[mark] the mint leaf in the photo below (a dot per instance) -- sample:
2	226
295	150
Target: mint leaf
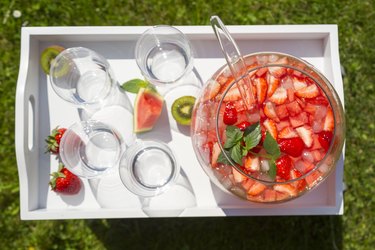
134	85
253	136
251	128
234	135
271	146
236	154
272	170
223	159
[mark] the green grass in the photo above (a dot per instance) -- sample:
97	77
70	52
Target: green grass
354	230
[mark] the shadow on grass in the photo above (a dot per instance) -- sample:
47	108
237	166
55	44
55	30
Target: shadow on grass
309	232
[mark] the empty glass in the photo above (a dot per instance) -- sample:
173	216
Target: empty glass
82	77
164	55
90	148
148	168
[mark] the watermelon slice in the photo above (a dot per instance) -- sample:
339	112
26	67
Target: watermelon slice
147	109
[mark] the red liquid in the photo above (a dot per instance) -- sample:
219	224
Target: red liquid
293	109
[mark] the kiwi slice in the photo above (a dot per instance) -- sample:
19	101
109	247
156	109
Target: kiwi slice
48	55
182	109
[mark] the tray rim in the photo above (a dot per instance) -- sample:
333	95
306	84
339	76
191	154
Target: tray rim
328	32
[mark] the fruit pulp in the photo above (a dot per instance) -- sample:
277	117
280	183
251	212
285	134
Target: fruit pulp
293	108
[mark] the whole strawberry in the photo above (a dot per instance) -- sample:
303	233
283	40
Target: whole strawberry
65	182
53	140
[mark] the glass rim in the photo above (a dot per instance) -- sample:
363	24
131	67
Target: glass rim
127	168
71	99
80	125
186	42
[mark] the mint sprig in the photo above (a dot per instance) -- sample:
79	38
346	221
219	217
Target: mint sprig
239	143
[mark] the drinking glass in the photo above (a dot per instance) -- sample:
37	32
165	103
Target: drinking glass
148	168
164	55
90	148
82	77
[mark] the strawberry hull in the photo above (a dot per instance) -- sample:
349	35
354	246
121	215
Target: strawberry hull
295	107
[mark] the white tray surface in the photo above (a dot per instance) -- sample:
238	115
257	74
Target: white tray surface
38	110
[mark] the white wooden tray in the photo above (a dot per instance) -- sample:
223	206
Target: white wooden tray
38	110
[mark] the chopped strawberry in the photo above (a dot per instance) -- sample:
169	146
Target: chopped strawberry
283	167
325	138
212	90
252	163
261	89
221	79
279	96
291	146
305	133
207	147
260	72
239	105
313	178
298	83
278	72
290	94
299	120
319	100
238	177
310	91
270	112
301	103
273	84
281	125
269	195
246	184
281	196
225	85
286	189
243	125
230	114
271	127
282	111
303	166
318	156
316	143
215	154
256	189
287	132
300	184
293	108
329	121
310	108
233	94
